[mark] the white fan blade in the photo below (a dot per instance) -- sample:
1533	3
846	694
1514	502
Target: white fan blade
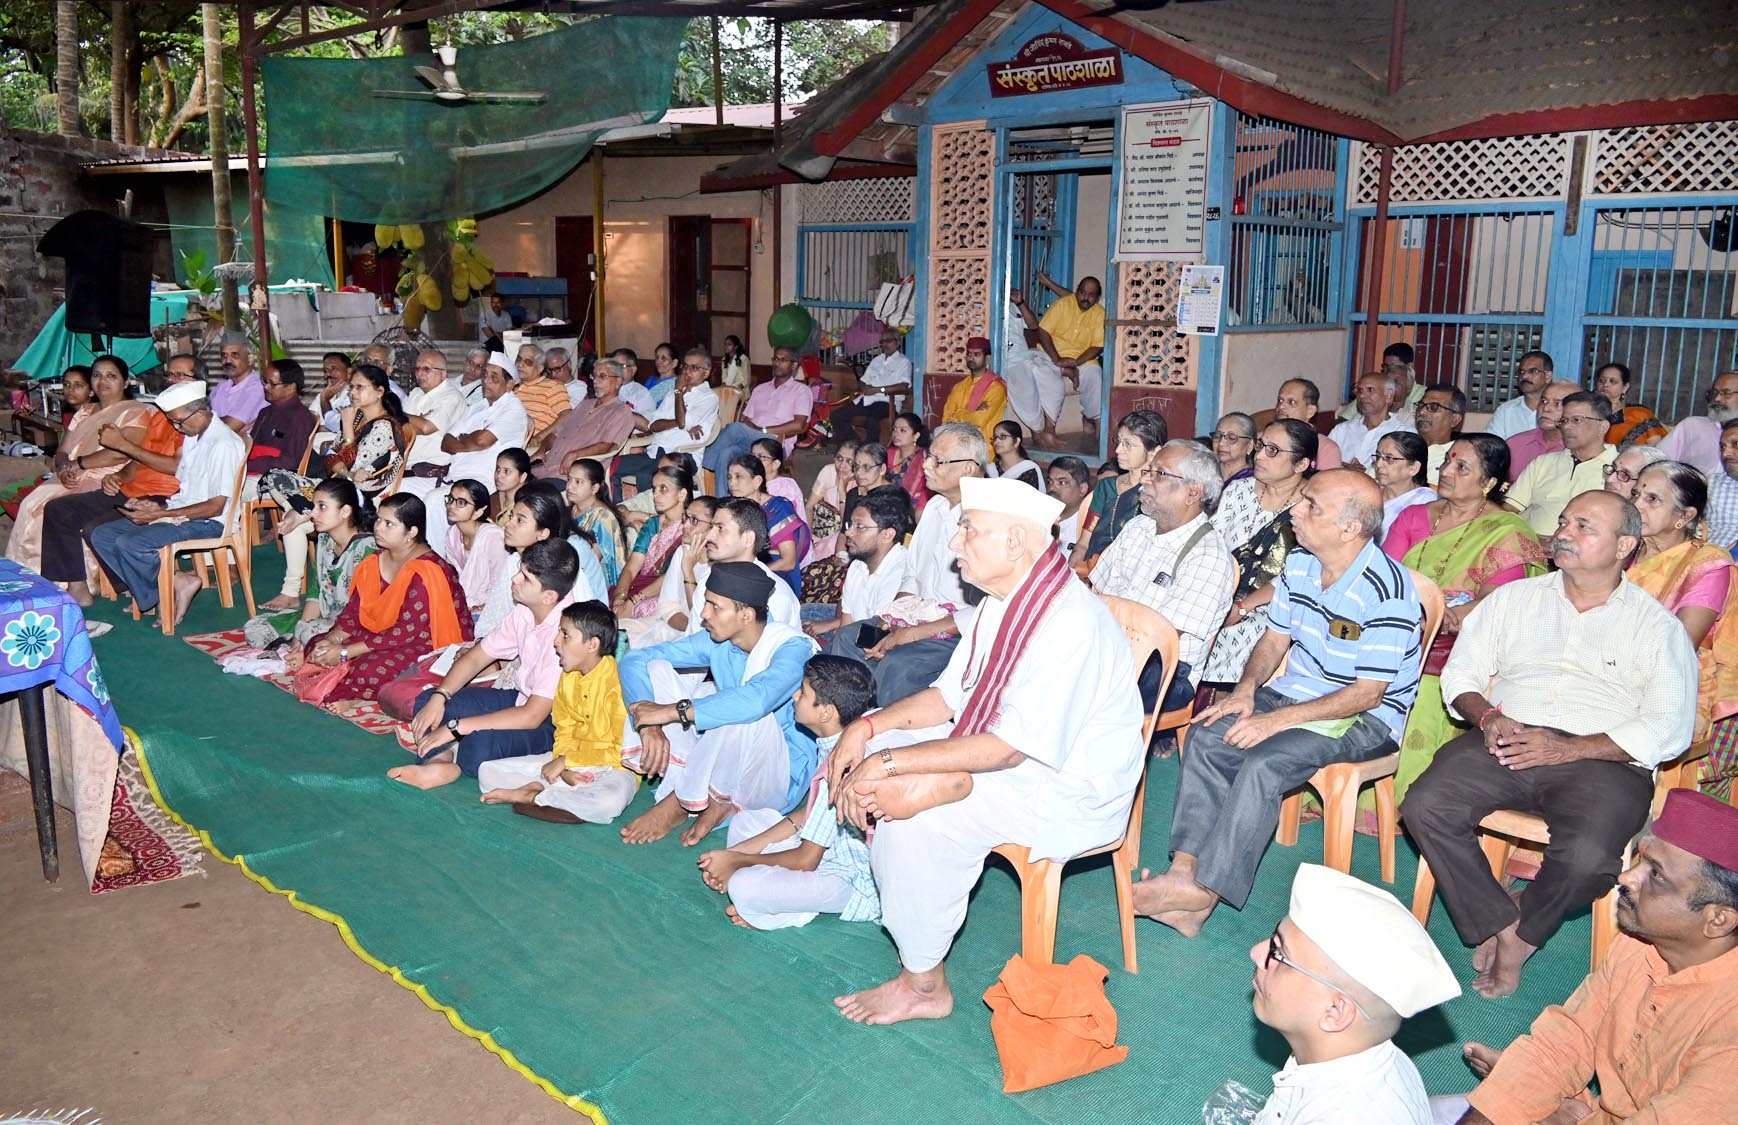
432	76
536	97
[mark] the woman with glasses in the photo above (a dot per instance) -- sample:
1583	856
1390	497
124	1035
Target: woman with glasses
668	619
1117	500
1254	519
827	500
96	396
642	575
905	458
787	534
1399	465
368	452
1234	447
1623	473
1466	542
1697	582
1631	424
476	546
1010	459
343	541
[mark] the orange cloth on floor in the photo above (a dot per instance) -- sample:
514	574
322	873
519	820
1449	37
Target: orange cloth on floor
1052	1022
381	604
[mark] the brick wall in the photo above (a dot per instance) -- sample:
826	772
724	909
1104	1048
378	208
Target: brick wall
40	184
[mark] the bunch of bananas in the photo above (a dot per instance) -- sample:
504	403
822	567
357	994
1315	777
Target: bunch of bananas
469	267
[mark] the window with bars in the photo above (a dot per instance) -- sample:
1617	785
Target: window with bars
1286	227
853	236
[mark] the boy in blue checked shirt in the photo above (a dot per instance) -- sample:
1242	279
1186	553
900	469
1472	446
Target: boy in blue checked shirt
783	870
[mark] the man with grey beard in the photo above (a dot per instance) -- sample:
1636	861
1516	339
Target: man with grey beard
1578	685
1696	440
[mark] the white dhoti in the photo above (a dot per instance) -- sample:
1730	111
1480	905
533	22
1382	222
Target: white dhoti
597	798
1036	387
775	898
747	765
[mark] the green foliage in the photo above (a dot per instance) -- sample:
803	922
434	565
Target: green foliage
817	53
195	274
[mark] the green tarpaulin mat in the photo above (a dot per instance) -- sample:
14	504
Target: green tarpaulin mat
610	973
364	139
296	247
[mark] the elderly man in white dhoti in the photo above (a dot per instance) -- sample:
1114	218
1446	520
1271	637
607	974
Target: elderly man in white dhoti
999	750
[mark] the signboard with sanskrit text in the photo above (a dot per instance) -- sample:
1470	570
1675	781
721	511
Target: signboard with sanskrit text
1162	210
1051	62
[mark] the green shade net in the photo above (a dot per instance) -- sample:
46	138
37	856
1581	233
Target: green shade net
295	239
338	147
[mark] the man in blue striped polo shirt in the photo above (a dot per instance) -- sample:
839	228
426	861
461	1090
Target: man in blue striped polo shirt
1346	619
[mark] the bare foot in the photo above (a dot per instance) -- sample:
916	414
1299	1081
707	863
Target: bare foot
186	585
1504	974
710	817
908	996
656	822
432	776
1174	899
901	798
730	912
81	594
279	604
524	795
1482	956
716	868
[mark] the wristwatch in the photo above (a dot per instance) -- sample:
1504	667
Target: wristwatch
685	714
453	728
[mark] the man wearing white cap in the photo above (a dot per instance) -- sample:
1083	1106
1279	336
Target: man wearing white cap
494	423
1336	978
210	457
997	751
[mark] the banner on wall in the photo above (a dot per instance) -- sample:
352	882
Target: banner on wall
1200	293
1162	205
1051	62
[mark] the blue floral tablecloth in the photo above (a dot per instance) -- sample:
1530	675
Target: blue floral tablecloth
43	640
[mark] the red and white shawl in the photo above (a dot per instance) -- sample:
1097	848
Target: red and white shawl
1049	576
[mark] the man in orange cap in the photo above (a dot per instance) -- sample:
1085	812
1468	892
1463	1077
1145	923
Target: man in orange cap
1657	1022
981	398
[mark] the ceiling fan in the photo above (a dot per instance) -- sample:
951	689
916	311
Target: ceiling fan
446	88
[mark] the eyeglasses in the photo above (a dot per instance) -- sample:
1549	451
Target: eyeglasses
1273	954
460	502
1273	450
699	521
1228	436
1155	474
704	367
1532	371
1623	475
869	527
1579	419
1434	408
950	461
181	422
1389	458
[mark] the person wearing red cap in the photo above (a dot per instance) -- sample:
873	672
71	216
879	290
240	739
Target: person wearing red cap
1657	1022
981	398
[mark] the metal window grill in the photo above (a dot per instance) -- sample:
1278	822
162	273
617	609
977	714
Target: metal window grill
1285	231
892	199
1500	168
1701	157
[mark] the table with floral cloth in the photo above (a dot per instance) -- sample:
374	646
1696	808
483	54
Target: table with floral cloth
67	741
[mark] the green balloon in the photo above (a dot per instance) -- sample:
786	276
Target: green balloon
790	326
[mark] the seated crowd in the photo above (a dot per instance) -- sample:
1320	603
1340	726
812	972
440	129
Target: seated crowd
859	684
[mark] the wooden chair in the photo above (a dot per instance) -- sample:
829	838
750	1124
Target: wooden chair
1506	829
729	406
1041	879
233	542
269	508
1338	785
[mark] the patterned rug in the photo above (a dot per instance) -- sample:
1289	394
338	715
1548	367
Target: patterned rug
365	714
144	844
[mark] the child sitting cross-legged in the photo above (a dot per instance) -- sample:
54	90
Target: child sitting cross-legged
783	870
584	779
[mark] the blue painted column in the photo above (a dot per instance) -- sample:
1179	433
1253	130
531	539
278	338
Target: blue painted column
1221	172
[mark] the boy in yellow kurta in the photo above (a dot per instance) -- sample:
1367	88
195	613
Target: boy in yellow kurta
981	398
583	780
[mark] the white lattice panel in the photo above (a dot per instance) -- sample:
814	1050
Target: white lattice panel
1151	356
1664	159
892	199
1499	168
961	210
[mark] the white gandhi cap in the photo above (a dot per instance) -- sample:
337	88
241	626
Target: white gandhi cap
1009	497
499	359
1372	938
177	395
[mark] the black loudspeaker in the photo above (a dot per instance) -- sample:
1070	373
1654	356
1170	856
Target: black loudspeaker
108	272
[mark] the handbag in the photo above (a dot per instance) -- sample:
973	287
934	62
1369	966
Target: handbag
314	684
824	520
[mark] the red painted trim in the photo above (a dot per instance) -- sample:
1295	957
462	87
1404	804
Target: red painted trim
719	181
832	142
1713	107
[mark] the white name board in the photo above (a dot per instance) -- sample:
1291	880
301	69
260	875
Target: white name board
1162	211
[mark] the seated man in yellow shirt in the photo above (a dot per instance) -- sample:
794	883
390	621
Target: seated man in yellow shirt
583	780
981	398
1069	346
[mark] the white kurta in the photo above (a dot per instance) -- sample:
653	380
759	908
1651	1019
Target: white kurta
1379	1086
1084	756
